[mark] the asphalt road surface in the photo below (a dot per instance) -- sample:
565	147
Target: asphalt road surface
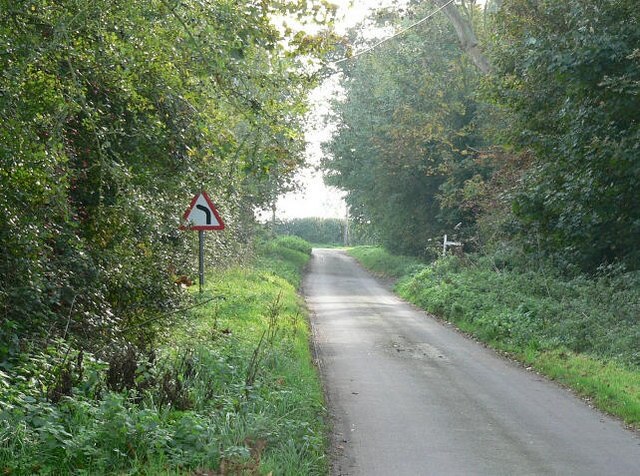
410	396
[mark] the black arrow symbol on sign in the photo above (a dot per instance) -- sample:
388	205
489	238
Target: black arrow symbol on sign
206	211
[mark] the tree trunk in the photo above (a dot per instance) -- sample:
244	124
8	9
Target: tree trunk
466	35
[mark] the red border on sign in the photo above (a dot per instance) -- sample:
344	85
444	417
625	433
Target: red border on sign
213	209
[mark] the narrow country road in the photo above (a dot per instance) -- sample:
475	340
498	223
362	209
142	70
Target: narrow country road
410	396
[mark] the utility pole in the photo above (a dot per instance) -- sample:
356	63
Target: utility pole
346	226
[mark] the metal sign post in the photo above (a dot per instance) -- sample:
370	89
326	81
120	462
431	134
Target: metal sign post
201	260
201	216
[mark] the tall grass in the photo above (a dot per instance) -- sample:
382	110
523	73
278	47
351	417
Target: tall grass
383	263
232	390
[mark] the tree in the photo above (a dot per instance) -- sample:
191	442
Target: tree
112	114
404	136
566	76
465	31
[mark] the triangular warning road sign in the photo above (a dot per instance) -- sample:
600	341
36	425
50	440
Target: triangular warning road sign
202	215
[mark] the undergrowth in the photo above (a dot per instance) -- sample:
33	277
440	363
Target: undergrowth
383	263
232	390
581	330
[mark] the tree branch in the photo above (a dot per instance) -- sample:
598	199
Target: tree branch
466	35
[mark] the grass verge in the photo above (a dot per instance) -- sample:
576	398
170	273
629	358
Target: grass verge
384	264
232	390
581	331
609	386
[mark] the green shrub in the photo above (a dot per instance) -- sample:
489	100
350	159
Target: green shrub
285	256
380	261
294	243
233	381
535	305
329	231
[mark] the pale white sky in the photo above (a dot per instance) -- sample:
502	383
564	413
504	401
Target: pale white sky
316	199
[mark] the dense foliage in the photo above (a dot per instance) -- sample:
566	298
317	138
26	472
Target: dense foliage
329	231
529	308
406	137
542	152
568	75
232	390
112	115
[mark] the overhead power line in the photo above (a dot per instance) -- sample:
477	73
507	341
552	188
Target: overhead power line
404	30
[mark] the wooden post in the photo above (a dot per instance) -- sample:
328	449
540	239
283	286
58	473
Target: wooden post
446	243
